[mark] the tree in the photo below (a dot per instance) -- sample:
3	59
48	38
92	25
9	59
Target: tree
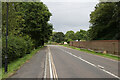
48	32
14	28
28	28
78	36
105	21
70	35
58	37
35	22
81	35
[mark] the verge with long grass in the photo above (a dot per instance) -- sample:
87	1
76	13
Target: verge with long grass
15	65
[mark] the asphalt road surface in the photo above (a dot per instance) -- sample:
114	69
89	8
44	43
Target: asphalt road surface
60	62
34	68
70	63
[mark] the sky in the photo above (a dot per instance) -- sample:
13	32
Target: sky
70	14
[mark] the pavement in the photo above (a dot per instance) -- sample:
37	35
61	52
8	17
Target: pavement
59	62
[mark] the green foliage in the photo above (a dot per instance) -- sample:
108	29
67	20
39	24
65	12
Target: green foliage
58	37
93	52
48	32
28	19
68	40
17	47
70	35
15	65
35	22
28	27
105	21
81	35
13	23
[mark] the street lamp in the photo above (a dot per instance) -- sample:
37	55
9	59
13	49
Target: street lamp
6	62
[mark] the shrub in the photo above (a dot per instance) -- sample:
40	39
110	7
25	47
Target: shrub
17	47
29	43
68	41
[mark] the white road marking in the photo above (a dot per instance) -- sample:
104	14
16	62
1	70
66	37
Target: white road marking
91	64
50	65
54	69
101	67
87	62
110	73
95	55
79	58
45	71
53	73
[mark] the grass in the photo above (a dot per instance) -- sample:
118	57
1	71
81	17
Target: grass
93	52
14	66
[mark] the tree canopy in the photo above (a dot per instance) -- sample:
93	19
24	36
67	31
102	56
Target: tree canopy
28	18
70	35
105	21
58	37
28	27
81	35
36	16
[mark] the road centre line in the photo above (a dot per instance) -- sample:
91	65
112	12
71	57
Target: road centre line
45	71
50	65
92	64
54	69
53	73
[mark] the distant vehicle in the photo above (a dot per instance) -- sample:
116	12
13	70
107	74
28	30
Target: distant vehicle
65	43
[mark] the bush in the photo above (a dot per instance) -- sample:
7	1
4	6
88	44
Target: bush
68	41
17	47
29	43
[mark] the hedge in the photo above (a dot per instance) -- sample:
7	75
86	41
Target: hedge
17	47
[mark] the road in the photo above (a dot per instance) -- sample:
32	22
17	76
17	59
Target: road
70	63
60	62
34	68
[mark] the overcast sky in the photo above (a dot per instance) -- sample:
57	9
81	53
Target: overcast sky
70	14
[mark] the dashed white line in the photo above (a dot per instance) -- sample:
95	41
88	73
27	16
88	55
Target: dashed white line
91	64
110	73
96	55
101	67
88	62
79	58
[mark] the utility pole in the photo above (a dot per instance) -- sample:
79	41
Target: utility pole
6	57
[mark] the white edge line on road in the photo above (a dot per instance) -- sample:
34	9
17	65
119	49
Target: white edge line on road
94	55
110	73
90	63
101	67
50	65
45	71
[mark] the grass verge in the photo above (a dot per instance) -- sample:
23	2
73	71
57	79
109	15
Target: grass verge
93	52
14	66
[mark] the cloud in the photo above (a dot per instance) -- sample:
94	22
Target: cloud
70	15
